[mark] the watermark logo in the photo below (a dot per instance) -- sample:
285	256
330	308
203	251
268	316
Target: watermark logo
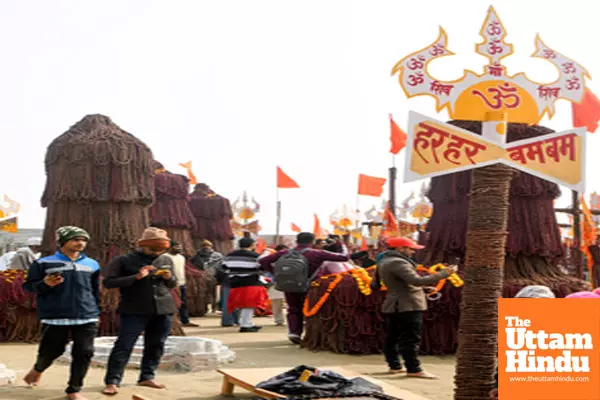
548	349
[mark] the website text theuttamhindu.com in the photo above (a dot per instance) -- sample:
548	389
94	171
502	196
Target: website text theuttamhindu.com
530	378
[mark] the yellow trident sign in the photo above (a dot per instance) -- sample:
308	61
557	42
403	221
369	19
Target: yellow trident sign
495	98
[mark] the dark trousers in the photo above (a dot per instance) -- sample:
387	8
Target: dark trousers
295	317
183	310
156	329
403	338
52	346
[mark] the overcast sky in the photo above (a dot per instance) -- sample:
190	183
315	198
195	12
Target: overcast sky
240	87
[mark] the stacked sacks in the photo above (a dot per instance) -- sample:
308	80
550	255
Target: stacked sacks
213	219
100	178
533	250
171	212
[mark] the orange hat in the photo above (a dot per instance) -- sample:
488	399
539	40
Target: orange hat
396	242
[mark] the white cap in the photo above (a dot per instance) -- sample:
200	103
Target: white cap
535	291
34	241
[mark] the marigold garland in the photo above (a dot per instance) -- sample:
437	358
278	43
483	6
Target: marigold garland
309	312
363	280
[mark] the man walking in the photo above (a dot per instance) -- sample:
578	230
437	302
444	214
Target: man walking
209	260
146	306
404	305
25	256
179	270
295	300
68	295
246	291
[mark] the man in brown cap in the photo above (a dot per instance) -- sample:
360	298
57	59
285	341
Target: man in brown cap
146	306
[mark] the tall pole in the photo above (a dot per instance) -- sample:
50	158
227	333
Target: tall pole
577	256
278	216
487	230
393	186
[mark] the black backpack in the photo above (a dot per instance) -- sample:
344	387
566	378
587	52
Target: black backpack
291	272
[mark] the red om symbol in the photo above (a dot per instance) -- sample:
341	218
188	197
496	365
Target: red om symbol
437	49
499	96
569	68
416	79
416	63
494	28
573	83
547	53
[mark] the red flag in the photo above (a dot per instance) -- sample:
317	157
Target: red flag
188	167
363	245
397	137
370	185
284	181
587	113
296	228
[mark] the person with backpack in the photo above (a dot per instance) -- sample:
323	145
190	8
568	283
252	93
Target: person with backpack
293	271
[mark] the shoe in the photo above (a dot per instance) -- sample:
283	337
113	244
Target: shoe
295	340
191	325
251	329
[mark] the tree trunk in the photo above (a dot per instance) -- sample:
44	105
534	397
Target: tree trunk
484	261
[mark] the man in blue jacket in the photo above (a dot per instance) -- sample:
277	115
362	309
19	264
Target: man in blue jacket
68	297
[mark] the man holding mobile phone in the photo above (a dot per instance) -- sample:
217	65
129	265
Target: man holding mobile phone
67	288
146	306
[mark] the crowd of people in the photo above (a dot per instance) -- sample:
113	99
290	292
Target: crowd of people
67	285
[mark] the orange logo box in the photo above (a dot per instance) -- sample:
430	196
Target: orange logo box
549	349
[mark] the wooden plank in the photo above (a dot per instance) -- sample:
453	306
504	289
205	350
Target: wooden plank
248	378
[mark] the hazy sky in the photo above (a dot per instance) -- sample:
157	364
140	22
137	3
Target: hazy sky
240	87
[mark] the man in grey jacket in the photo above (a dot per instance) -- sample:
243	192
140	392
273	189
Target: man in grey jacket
404	305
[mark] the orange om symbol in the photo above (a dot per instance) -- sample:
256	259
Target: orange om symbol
500	96
573	83
416	63
416	79
494	28
569	68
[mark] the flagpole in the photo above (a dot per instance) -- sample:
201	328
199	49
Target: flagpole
278	216
393	186
357	223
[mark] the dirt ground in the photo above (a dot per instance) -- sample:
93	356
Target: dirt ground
269	348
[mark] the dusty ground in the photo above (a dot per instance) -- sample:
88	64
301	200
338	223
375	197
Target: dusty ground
269	348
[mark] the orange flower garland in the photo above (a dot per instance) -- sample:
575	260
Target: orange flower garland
307	310
363	280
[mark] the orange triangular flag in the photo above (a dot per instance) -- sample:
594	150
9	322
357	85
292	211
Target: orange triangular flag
587	113
296	228
317	227
391	224
363	244
260	246
188	166
284	181
370	185
397	136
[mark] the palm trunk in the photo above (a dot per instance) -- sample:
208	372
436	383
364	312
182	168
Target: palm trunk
485	252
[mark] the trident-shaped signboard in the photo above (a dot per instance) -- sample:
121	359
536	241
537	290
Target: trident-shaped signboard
495	98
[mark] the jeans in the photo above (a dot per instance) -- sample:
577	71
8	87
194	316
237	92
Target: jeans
403	338
183	311
52	346
227	319
295	316
156	329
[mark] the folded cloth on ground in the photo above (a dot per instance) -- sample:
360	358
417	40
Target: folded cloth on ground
320	383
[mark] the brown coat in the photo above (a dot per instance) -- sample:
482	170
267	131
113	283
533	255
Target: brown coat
405	287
